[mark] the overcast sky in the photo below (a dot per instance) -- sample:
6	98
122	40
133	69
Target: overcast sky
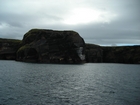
103	22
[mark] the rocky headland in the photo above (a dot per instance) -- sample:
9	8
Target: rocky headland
50	46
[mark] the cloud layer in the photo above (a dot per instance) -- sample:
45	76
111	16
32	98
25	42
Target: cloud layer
104	22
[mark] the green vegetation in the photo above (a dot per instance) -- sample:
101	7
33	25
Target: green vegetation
30	36
23	48
14	41
92	46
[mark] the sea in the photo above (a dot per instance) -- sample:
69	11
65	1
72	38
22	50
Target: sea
69	84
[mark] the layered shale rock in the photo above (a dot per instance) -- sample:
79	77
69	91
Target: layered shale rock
48	46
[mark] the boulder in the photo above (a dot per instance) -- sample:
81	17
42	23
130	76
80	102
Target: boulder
50	46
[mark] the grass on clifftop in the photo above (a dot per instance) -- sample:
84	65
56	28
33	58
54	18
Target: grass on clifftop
9	40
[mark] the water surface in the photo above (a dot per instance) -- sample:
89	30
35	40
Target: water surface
53	84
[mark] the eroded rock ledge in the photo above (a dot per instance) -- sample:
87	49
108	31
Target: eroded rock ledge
50	46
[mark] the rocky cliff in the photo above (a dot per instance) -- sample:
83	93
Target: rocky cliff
49	46
8	48
120	54
123	54
94	53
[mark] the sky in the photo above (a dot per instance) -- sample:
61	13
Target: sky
102	22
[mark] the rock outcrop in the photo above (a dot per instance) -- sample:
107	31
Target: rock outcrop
48	46
94	53
8	48
123	54
119	54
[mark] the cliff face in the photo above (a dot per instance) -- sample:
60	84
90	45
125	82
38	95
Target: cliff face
123	54
94	53
8	48
48	46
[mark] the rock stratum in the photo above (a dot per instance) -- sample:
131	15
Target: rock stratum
50	46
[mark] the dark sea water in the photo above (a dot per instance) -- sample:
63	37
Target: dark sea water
53	84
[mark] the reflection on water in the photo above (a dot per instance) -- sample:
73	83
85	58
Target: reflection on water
52	84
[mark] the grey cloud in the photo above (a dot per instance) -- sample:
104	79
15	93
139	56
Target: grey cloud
18	16
111	33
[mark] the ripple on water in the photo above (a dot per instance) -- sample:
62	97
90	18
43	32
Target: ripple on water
88	84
